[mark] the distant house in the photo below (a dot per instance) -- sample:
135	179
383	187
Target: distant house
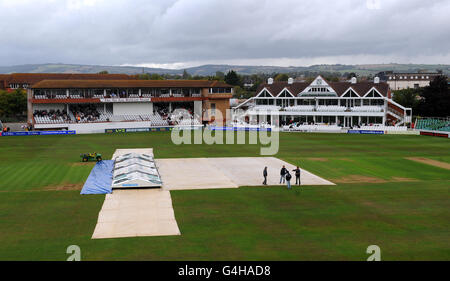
400	81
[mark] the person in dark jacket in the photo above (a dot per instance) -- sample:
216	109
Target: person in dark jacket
297	175
265	176
283	173
288	180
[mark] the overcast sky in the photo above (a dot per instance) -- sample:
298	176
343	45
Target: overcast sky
183	33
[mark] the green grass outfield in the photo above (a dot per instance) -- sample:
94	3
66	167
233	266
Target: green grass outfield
381	198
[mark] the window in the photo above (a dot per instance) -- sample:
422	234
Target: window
213	109
351	94
265	94
285	94
416	86
195	91
373	94
185	92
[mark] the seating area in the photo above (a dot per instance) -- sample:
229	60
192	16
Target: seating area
77	116
179	114
85	113
331	108
266	107
433	124
63	96
315	127
189	122
367	109
300	108
241	124
157	120
51	116
183	117
322	108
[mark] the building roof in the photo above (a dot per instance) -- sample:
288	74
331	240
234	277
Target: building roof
92	84
32	78
361	88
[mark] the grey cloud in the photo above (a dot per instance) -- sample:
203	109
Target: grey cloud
142	31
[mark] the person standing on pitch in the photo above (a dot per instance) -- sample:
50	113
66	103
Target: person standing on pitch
265	176
297	176
288	180
283	174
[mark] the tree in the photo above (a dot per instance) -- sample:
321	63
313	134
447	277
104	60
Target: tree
281	77
435	98
332	78
232	78
198	77
186	75
13	104
156	76
103	72
408	98
351	75
144	76
240	93
220	75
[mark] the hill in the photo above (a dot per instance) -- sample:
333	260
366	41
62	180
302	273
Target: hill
211	69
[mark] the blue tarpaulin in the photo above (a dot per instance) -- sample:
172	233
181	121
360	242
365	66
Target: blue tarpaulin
100	179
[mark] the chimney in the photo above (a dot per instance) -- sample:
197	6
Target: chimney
290	81
270	81
376	80
354	80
